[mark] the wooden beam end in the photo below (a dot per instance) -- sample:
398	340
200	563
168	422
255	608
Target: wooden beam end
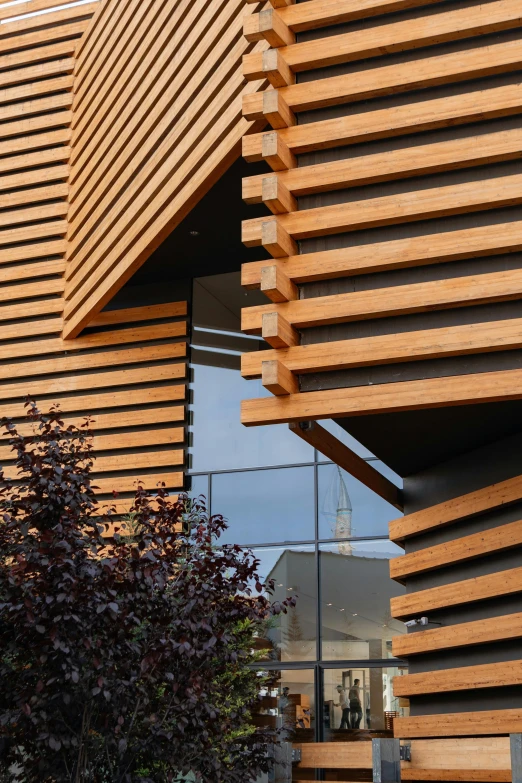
275	110
278	379
275	68
276	153
278	333
277	286
276	240
276	196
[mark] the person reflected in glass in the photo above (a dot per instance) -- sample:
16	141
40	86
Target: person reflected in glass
344	704
354	699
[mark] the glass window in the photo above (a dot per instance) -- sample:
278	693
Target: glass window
345	438
355	600
359	700
347	508
286	701
265	506
199	486
290	636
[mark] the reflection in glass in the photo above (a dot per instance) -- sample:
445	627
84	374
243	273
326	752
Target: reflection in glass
344	437
348	508
286	701
290	636
355	600
360	700
263	506
199	486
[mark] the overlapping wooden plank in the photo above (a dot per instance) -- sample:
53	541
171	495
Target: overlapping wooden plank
391	79
101	380
33	177
492	629
31	328
384	166
479	588
390	210
383	398
384	349
336	755
465	775
482	544
484	758
145	313
152	459
460	724
76	363
471	106
385	302
37	54
44	249
59	17
28	214
55	228
129	483
30	7
38	106
482	240
322	13
135	417
394	37
53	34
20	127
463	507
28	143
488	675
19	198
35	72
23	310
90	46
33	89
31	290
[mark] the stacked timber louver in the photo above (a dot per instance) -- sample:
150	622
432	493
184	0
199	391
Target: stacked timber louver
128	369
394	181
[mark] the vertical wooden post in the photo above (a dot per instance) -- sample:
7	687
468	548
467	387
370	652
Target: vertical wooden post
386	760
516	757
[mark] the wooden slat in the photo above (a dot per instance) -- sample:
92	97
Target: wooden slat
32	159
28	91
74	363
128	483
488	675
492	629
478	588
44	249
390	210
24	40
139	417
386	302
82	404
36	72
29	7
35	177
37	54
134	314
488	755
322	440
21	127
29	214
394	37
59	17
391	79
385	166
389	348
460	550
404	395
437	248
465	775
335	755
33	290
30	328
460	724
38	106
103	380
33	195
400	120
33	142
37	307
55	228
463	507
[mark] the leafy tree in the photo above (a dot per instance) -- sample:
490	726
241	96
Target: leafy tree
123	656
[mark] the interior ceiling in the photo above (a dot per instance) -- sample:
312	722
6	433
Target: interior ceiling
408	441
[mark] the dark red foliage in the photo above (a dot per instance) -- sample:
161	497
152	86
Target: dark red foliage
123	657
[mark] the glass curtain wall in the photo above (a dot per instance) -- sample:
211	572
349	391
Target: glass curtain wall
319	533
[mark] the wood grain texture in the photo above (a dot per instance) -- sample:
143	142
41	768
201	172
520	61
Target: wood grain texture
489	755
460	550
488	675
478	588
462	507
336	755
460	724
404	395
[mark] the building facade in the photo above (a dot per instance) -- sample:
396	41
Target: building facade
274	249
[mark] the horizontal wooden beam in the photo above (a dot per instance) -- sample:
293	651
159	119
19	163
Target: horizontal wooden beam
386	302
385	398
460	724
464	678
385	166
485	758
478	588
392	37
492	629
481	544
335	755
391	79
437	248
332	448
389	348
315	14
472	106
497	495
390	210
